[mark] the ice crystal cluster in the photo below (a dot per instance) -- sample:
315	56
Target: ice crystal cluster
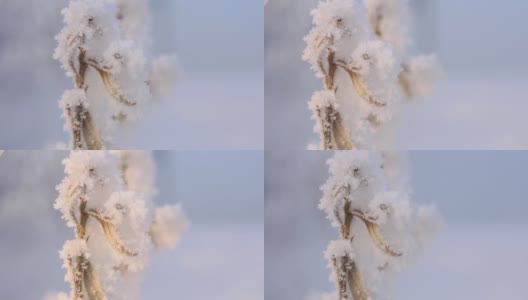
102	48
106	197
359	49
366	197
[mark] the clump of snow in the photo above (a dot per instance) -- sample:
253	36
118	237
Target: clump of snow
73	249
377	58
337	249
124	54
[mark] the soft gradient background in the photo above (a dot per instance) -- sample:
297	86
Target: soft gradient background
480	253
218	103
220	257
480	103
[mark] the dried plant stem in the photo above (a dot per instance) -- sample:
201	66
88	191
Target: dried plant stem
111	235
326	125
355	282
92	284
362	90
349	279
333	128
109	83
89	131
404	81
79	117
86	282
340	133
376	237
359	84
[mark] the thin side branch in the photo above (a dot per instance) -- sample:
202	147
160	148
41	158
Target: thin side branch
111	235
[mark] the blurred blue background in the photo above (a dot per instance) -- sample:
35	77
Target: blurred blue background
480	252
221	193
479	104
217	104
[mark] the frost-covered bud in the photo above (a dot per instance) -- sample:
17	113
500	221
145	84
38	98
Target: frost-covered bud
321	101
169	225
354	176
92	168
419	75
338	26
91	177
377	83
73	102
73	98
339	248
124	56
375	59
128	217
73	254
391	206
74	248
90	25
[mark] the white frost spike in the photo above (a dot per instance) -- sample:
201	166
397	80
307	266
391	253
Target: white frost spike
107	200
169	225
372	212
361	55
102	47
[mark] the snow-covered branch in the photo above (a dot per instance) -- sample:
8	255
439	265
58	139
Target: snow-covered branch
379	228
360	51
107	199
102	48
